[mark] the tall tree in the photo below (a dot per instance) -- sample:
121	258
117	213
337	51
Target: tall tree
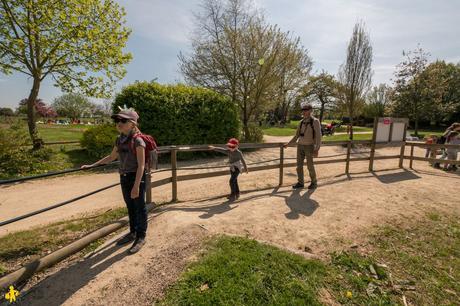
72	105
78	43
323	89
355	75
409	85
236	53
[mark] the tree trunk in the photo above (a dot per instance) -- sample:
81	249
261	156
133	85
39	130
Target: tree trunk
321	112
245	122
36	141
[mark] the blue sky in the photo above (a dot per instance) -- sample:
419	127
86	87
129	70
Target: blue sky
161	29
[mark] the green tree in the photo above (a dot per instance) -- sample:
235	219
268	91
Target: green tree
441	91
323	89
377	102
410	87
72	105
6	111
78	43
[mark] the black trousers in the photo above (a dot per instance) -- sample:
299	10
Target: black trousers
234	181
137	211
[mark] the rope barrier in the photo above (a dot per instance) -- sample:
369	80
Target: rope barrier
28	178
224	166
56	205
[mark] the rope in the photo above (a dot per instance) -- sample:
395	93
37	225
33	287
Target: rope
33	177
224	166
56	205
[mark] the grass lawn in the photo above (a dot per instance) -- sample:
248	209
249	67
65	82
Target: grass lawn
52	133
420	261
17	247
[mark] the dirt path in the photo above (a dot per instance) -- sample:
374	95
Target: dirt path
339	213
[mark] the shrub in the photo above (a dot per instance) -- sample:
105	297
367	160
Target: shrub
256	134
179	114
16	157
99	140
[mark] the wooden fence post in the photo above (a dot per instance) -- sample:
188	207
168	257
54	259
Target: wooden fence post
403	148
174	174
281	164
374	136
347	167
411	155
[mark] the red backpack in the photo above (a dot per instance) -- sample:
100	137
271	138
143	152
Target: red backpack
151	149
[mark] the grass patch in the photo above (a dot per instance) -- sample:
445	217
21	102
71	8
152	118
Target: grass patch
420	261
239	271
52	133
18	247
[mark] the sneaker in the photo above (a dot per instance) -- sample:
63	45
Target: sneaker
297	186
126	239
137	245
237	196
312	186
230	196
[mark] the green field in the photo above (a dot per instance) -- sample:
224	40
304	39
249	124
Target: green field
420	260
53	133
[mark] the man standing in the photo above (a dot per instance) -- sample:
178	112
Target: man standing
308	135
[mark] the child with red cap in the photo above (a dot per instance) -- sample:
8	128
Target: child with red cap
237	164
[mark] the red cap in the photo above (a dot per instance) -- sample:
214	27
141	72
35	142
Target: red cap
233	142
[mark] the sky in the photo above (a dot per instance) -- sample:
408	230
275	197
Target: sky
161	30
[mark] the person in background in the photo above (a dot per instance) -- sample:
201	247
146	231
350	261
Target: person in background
452	153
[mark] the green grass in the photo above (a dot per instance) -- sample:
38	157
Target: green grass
420	260
17	246
424	133
52	133
239	271
290	129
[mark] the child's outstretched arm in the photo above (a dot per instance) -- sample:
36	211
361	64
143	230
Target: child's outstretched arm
108	159
221	150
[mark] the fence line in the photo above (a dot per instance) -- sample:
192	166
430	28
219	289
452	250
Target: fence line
175	178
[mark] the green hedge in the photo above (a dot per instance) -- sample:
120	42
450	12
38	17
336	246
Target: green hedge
181	115
99	140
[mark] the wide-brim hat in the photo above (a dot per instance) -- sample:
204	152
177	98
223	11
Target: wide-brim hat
306	106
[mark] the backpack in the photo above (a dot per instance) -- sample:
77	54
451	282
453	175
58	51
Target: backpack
151	149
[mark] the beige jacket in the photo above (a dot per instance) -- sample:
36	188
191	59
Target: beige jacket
305	129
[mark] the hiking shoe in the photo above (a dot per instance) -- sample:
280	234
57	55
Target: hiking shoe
230	196
312	186
297	186
137	245
126	239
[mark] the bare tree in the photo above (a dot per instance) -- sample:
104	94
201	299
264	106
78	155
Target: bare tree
236	53
355	75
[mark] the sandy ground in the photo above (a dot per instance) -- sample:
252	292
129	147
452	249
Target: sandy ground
338	214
